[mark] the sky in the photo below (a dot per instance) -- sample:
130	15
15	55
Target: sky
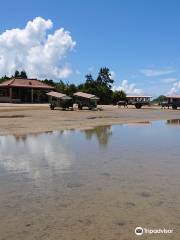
138	40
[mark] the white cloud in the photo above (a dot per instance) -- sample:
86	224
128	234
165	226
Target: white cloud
154	72
169	80
175	89
129	88
113	75
34	50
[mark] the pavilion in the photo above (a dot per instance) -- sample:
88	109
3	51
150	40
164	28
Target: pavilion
18	90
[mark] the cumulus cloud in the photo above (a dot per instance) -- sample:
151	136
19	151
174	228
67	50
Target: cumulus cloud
129	88
175	89
34	50
154	72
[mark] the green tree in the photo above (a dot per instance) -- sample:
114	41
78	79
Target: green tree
159	99
118	96
104	83
101	86
4	78
23	74
49	82
90	85
61	87
105	78
16	74
70	89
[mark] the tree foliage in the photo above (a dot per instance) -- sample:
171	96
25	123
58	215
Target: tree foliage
118	96
4	78
159	99
101	86
21	74
17	74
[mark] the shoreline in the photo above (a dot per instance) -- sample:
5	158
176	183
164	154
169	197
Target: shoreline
34	119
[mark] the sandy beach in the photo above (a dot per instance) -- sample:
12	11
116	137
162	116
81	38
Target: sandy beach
29	118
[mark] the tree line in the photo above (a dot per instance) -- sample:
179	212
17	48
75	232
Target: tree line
101	86
17	74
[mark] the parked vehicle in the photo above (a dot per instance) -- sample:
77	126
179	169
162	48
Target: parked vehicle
85	100
60	100
164	104
173	101
138	101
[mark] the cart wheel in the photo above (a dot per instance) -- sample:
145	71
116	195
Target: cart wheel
138	105
52	107
174	107
79	107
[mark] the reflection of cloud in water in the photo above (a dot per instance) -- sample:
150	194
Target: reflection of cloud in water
33	153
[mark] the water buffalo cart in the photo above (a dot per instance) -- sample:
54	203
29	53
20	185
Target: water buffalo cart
173	101
138	101
60	100
85	100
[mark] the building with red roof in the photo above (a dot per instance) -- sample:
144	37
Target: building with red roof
17	90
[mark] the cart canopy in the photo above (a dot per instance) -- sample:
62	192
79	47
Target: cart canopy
58	95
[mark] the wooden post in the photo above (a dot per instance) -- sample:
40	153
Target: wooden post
32	97
10	94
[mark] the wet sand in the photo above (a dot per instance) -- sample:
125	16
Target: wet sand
23	119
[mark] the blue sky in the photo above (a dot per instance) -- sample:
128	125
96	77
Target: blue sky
138	40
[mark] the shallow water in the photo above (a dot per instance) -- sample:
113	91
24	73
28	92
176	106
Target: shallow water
97	184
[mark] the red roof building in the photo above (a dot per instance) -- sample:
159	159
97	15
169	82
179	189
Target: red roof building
24	90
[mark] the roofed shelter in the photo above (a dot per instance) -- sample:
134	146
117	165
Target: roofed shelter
19	90
86	100
138	100
58	95
86	95
173	98
61	100
173	101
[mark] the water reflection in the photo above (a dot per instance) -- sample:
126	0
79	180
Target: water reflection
31	153
102	133
173	122
51	150
56	181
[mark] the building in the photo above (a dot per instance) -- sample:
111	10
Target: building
18	90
